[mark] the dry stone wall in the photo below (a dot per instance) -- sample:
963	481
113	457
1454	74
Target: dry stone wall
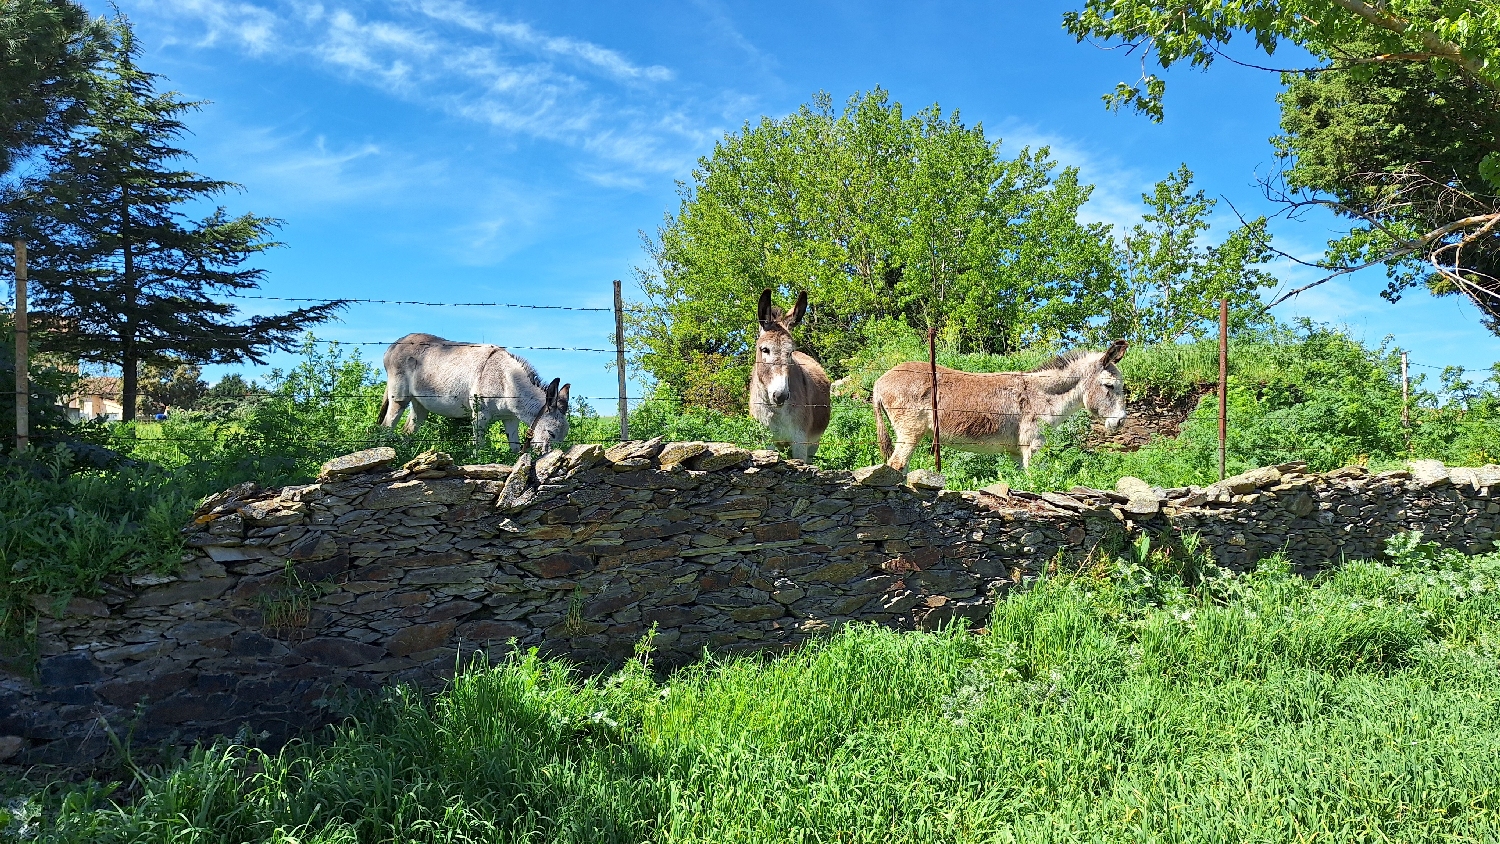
376	575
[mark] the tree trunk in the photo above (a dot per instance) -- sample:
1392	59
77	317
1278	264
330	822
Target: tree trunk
129	385
129	364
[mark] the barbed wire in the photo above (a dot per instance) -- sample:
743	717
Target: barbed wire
138	440
923	407
458	343
423	304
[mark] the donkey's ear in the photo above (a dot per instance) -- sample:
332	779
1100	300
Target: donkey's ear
1115	352
798	311
763	313
562	396
552	390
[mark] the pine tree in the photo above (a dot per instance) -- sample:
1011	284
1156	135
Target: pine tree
121	273
47	49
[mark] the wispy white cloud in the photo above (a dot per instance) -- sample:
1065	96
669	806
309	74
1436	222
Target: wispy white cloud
467	62
602	58
1116	199
246	25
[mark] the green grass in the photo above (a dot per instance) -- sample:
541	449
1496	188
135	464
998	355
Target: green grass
1117	704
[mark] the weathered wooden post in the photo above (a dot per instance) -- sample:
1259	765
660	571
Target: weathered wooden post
1405	394
23	346
620	361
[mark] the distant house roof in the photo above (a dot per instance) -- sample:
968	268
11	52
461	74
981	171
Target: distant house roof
106	386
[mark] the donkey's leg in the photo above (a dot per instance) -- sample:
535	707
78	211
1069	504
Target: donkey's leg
1028	447
811	449
908	436
416	417
483	418
513	433
392	414
799	448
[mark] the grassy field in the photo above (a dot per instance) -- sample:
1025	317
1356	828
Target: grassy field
1134	702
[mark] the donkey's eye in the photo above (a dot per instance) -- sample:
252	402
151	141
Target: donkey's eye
765	350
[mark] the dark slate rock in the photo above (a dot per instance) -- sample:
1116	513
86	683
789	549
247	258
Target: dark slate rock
69	670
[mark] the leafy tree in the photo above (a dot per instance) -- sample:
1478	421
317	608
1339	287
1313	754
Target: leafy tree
1400	151
231	393
176	385
1170	282
48	49
1460	35
124	275
891	223
1430	71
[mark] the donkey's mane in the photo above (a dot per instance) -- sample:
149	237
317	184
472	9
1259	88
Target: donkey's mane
1062	361
526	367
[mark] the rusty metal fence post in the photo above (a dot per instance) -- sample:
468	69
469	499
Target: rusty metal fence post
937	437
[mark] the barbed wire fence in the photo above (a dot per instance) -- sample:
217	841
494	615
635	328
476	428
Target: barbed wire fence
622	398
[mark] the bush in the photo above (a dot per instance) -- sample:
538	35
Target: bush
63	529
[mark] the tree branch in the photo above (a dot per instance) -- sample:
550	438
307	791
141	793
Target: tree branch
1430	40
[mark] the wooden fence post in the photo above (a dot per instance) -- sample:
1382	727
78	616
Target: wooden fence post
23	347
620	361
1405	399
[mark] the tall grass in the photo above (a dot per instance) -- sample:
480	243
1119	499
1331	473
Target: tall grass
1143	701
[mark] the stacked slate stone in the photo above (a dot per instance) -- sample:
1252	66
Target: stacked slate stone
375	575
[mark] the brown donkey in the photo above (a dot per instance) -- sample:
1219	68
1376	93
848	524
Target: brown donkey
789	390
997	412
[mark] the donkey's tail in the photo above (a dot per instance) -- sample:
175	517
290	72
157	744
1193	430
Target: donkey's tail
385	404
882	436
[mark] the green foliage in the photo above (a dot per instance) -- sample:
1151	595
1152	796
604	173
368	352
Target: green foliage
47	50
883	219
176	385
64	528
1400	151
662	415
123	275
1397	131
47	422
1454	36
1360	706
894	225
1170	284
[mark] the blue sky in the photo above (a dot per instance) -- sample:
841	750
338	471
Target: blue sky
452	150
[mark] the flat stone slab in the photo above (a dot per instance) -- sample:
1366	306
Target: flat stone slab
924	479
879	475
369	460
487	471
412	493
674	453
719	456
1247	482
1429	473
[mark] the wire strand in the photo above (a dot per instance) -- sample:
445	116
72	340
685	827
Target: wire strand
424	304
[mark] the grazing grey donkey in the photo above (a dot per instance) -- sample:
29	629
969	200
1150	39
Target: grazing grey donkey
789	390
997	412
472	380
